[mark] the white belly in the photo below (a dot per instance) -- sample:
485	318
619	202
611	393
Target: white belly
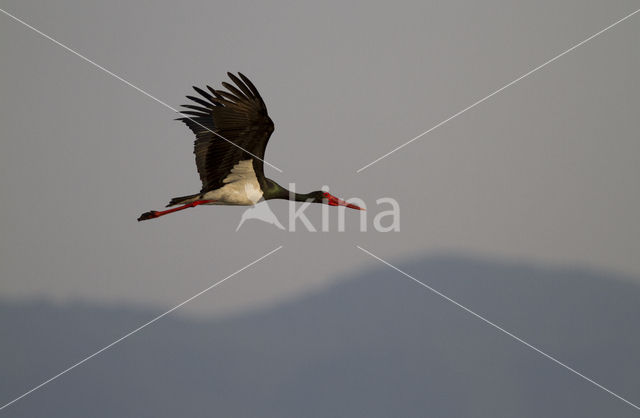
241	187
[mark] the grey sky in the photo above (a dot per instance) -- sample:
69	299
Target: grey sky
545	171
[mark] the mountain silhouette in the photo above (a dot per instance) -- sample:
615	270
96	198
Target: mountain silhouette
373	345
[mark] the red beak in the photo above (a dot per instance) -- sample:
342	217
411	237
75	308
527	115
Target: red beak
335	201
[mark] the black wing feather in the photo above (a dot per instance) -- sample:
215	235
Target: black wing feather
198	108
252	88
234	90
203	93
247	92
199	100
214	92
240	117
191	112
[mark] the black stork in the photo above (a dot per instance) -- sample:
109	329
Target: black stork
232	129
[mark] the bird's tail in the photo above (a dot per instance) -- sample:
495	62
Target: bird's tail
182	200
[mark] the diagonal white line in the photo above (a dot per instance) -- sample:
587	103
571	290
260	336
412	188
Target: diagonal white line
497	91
138	329
499	328
134	86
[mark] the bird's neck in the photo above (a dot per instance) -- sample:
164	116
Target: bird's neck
274	191
301	197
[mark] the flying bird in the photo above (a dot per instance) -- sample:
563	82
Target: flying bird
232	129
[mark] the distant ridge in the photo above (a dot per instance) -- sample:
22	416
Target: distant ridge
374	345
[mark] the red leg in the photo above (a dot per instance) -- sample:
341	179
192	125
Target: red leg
154	214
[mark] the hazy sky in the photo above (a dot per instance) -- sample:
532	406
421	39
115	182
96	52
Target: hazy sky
545	171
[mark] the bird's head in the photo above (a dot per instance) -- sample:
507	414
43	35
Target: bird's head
328	199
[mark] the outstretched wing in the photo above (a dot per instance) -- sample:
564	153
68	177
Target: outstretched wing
230	126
